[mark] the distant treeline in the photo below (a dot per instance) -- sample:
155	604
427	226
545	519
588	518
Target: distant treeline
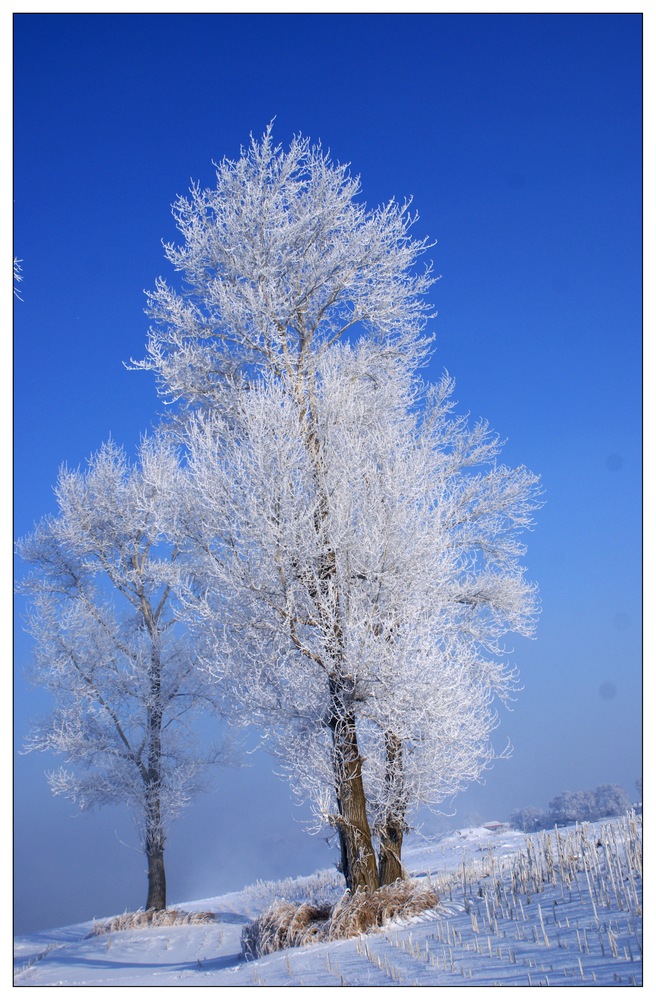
573	807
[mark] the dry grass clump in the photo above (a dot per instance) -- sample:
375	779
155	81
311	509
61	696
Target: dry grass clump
150	918
364	911
288	925
285	925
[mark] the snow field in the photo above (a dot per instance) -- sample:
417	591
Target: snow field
560	908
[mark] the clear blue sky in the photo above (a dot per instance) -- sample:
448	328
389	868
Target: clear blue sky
519	138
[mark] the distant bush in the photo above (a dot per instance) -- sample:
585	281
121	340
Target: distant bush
529	819
611	800
288	925
573	807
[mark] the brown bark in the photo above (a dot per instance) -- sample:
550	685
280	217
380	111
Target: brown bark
358	856
155	849
390	868
156	877
154	826
343	865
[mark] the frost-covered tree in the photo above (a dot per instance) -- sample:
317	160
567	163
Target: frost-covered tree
572	807
529	819
279	261
108	647
611	800
309	501
424	582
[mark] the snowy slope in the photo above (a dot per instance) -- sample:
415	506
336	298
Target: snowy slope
562	908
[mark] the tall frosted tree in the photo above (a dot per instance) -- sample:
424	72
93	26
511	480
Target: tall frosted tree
279	262
108	647
425	583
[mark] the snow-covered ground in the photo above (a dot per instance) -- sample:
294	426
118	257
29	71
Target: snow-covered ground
558	909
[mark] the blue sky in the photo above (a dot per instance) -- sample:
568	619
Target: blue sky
519	138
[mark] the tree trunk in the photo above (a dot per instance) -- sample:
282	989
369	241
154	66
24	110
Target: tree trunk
156	876
154	825
358	856
391	834
343	866
390	868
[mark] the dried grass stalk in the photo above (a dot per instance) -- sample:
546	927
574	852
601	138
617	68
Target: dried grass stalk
150	918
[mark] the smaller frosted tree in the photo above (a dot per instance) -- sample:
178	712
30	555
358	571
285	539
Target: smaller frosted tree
109	649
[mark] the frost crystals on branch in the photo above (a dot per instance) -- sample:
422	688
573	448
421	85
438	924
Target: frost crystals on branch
280	260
